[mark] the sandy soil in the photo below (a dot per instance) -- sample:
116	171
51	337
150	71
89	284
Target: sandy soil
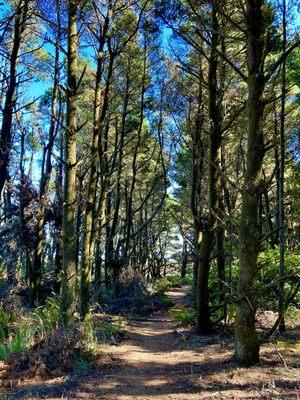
160	362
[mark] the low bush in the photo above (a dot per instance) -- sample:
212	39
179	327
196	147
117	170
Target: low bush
184	316
166	283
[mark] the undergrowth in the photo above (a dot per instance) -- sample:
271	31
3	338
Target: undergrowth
184	316
20	332
168	282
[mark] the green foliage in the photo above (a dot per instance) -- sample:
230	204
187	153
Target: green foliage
167	301
185	316
268	262
17	332
13	338
16	342
293	312
161	286
109	332
4	319
47	316
164	284
82	363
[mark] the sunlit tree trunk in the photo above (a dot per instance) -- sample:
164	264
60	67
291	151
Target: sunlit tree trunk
68	224
100	107
45	178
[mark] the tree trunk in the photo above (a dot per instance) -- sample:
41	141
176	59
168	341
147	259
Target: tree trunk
220	235
281	176
21	15
246	341
204	325
45	178
89	222
68	292
184	259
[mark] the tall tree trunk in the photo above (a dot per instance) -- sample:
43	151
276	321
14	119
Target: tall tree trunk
23	201
204	325
197	174
281	176
89	222
45	178
246	341
111	257
21	16
184	259
68	292
220	235
269	216
58	218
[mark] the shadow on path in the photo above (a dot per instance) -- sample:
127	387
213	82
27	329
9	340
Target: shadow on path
156	363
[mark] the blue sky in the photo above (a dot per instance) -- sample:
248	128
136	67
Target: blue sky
38	86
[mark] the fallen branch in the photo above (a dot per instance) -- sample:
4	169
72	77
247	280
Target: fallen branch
280	355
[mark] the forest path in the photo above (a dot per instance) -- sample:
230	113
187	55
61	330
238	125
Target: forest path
161	362
151	364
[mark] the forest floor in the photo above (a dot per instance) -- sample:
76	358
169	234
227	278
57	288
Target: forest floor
162	361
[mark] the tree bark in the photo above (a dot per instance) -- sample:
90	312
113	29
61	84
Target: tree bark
45	178
68	291
204	325
281	176
246	341
197	174
100	107
21	16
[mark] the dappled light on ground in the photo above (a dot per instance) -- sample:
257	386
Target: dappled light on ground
160	361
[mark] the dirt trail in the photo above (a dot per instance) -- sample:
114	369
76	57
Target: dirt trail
160	363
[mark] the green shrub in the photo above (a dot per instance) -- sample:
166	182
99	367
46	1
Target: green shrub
47	316
185	316
268	262
17	341
110	332
17	332
167	301
166	283
4	319
82	363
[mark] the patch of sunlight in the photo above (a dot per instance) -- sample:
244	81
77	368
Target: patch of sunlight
158	382
289	344
104	385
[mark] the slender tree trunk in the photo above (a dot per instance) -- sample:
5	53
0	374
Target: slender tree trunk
98	274
197	173
21	15
45	178
111	261
89	222
281	178
68	291
204	325
220	236
220	229
184	259
22	221
269	217
246	341
58	219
